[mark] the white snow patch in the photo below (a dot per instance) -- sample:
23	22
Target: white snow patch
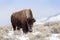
12	36
24	37
54	37
10	33
36	33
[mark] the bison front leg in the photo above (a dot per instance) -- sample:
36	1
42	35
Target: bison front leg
25	29
18	28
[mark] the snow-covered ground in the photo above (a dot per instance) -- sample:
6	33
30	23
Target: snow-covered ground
15	36
54	37
39	33
25	37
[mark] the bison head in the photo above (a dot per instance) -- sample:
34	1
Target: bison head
30	22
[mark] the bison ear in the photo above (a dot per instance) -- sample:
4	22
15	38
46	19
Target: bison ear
33	20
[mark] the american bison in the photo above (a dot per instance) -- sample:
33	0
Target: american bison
23	19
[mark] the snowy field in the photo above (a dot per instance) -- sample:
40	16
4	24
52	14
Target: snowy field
40	32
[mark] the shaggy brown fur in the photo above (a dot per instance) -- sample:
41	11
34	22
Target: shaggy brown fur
23	19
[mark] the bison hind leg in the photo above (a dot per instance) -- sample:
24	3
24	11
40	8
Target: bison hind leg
14	27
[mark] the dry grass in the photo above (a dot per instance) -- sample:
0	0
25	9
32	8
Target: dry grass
40	32
54	26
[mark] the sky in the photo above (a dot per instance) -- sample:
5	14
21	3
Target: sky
40	8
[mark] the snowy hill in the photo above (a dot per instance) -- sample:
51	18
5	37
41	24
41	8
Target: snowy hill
54	18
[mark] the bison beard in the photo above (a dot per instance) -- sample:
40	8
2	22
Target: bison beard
22	19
